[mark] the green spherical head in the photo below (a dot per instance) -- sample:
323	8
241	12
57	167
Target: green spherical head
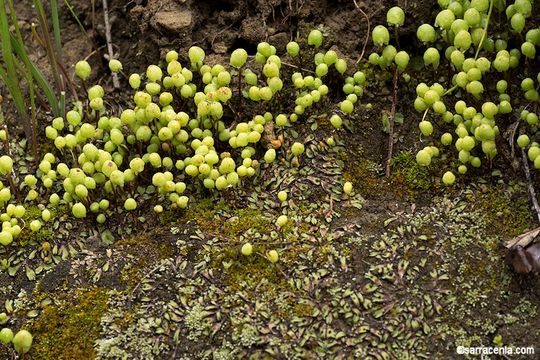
6	237
347	188
426	33
341	66
130	204
83	69
238	58
22	341
196	54
426	128
315	38
293	48
96	92
446	139
79	210
135	81
423	158
336	121
395	16
270	156
282	220
6	335
402	60
347	106
448	178
380	35
227	166
463	40
297	149
484	132
523	141
6	165
115	66
247	249
35	225
444	19
273	256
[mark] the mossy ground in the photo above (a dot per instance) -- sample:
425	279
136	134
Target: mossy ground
407	172
399	281
507	210
361	172
403	279
67	330
141	253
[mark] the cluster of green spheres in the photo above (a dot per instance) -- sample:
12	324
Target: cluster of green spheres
461	30
180	135
22	340
380	35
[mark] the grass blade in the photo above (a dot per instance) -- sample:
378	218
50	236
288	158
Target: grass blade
38	77
51	54
56	27
10	74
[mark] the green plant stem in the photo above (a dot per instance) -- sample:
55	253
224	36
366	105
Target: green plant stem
450	90
9	44
484	33
17	44
239	93
425	114
391	124
72	12
396	34
69	83
297	67
368	32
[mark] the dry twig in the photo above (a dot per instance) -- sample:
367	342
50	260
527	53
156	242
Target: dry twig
116	83
367	33
532	192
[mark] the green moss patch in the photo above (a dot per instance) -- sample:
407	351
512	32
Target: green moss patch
408	172
505	215
362	172
68	331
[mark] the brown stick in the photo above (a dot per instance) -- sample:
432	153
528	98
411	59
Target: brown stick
297	67
392	123
532	192
367	34
108	37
